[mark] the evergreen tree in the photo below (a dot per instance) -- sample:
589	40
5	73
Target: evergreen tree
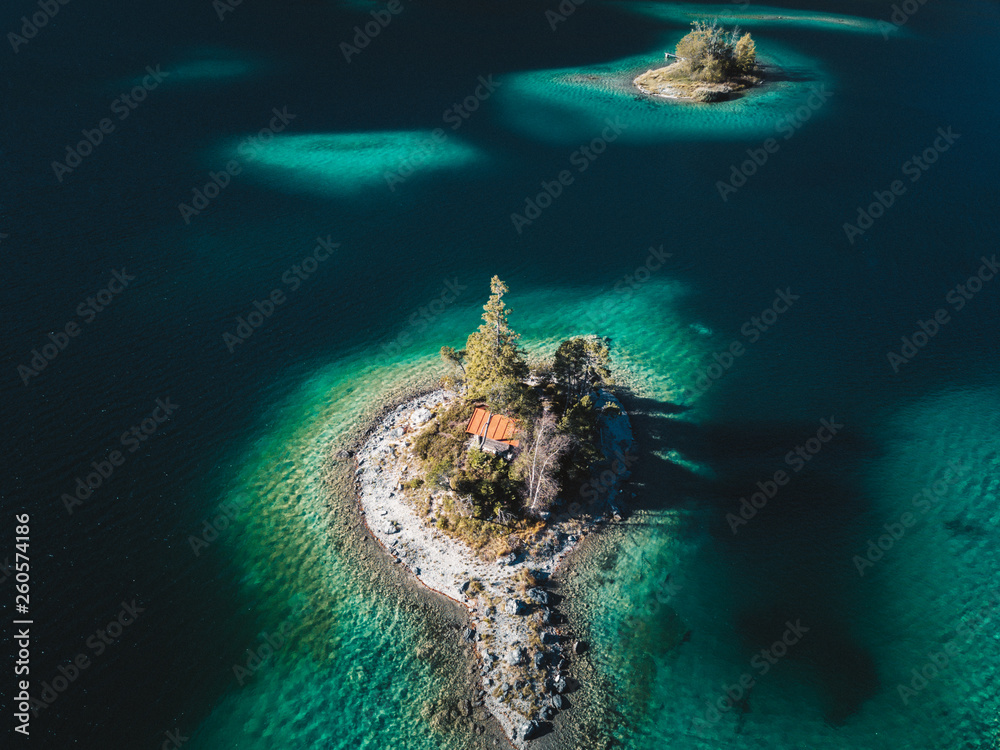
580	364
580	423
746	54
494	364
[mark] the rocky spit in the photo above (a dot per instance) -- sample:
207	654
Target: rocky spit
522	644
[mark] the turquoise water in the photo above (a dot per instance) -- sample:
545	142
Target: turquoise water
675	605
573	105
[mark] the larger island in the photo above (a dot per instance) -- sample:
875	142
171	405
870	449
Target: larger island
483	486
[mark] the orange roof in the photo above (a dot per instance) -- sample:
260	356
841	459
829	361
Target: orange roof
497	427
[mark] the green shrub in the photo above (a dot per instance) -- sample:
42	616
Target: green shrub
712	54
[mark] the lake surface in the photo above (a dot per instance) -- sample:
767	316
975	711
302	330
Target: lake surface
293	218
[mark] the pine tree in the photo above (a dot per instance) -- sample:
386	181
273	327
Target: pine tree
494	364
746	54
452	357
579	364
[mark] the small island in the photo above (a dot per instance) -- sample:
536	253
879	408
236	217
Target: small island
482	487
710	65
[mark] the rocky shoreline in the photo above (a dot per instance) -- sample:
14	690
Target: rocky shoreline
662	83
521	641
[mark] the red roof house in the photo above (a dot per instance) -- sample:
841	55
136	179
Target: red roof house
495	431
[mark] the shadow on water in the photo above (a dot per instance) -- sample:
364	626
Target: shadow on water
773	74
786	561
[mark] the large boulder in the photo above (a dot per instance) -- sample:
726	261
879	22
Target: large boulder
513	607
708	95
539	596
527	731
516	657
549	638
420	416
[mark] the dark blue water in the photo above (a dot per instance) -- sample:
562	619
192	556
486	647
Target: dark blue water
258	420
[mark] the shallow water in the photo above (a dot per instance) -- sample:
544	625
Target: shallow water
367	662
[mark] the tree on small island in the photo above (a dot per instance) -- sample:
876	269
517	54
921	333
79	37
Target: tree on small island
710	53
711	65
554	404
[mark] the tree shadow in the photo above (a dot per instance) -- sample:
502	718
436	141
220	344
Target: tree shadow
788	559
